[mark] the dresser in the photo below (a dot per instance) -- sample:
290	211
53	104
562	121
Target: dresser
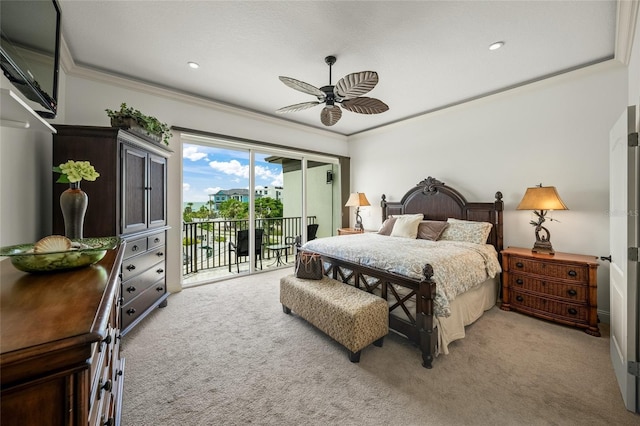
129	199
349	231
561	287
60	346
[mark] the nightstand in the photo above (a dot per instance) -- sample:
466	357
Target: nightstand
562	288
348	231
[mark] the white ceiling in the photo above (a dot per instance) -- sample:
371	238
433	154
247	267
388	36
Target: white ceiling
428	54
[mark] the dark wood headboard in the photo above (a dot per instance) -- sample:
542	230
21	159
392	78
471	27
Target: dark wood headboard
437	201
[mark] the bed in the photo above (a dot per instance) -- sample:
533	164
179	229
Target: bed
415	289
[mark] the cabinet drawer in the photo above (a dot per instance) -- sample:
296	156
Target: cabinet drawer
568	291
140	304
138	284
534	304
138	264
135	247
578	273
156	240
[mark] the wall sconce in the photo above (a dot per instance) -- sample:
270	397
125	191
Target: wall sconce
541	199
357	199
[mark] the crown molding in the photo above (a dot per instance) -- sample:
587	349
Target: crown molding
625	29
71	68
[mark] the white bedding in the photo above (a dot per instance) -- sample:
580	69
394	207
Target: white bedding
457	266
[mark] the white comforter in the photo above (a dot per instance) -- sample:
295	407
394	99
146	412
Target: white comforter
457	266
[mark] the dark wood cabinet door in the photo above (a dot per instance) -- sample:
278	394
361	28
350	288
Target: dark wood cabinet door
134	189
157	191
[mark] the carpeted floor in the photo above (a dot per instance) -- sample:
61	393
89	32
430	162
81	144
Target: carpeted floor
226	354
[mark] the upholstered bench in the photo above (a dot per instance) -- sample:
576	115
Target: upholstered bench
352	317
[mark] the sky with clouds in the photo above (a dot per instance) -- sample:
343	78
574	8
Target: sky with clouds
206	170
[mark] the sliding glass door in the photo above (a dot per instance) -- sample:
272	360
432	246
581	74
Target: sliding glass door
247	206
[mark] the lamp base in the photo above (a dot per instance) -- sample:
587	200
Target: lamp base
543	247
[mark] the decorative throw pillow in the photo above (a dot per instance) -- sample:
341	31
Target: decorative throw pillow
466	230
406	226
431	229
387	226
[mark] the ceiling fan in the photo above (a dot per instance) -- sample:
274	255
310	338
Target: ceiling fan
346	93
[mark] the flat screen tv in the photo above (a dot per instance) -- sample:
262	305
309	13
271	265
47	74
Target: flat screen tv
29	50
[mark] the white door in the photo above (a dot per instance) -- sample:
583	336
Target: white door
623	224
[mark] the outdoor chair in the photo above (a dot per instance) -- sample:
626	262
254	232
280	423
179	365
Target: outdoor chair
241	247
296	241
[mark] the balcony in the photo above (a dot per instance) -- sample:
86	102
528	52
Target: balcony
205	246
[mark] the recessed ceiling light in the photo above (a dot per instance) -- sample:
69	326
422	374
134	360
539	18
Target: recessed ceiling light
497	45
193	65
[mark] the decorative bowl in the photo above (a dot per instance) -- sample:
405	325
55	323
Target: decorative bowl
86	251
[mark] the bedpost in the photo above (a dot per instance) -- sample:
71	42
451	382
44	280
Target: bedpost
499	207
427	333
383	204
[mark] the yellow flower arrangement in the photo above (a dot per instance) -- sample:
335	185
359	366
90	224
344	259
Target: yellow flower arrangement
74	171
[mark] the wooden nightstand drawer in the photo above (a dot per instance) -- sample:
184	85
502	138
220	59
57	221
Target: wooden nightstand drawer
568	311
574	292
549	269
561	287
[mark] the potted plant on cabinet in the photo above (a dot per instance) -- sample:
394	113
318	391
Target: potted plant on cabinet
129	118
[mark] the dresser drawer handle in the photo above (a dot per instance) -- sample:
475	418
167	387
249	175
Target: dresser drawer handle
131	311
159	270
106	386
572	273
131	289
519	264
159	288
109	422
160	254
107	340
519	281
573	311
134	248
131	267
572	292
519	298
156	240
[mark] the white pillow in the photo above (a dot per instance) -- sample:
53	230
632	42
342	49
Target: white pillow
406	225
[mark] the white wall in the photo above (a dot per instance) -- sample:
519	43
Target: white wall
554	132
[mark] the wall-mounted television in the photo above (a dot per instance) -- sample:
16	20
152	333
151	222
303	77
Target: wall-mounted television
29	50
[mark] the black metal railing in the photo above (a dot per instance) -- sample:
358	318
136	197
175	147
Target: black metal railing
205	244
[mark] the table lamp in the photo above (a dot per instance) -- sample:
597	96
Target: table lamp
541	199
357	199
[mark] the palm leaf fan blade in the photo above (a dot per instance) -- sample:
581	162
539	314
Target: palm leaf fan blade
364	105
298	107
303	87
356	84
330	115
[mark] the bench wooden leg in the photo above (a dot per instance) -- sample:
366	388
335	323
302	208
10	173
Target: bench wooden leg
378	342
354	356
286	310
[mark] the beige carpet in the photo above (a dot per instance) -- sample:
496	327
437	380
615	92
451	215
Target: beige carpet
226	354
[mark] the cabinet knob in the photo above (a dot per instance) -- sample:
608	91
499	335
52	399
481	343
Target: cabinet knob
572	292
519	264
107	340
519	281
131	311
131	289
572	311
156	240
160	254
519	298
160	270
134	248
131	267
572	273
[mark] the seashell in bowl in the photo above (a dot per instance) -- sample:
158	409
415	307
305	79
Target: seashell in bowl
52	243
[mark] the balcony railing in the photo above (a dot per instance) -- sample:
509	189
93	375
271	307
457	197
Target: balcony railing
205	244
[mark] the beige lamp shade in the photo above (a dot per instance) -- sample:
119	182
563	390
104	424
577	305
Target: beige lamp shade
357	199
542	198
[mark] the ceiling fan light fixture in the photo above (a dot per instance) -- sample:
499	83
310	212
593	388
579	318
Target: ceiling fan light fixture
497	45
347	93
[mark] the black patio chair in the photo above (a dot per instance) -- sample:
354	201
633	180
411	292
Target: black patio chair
296	241
241	247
